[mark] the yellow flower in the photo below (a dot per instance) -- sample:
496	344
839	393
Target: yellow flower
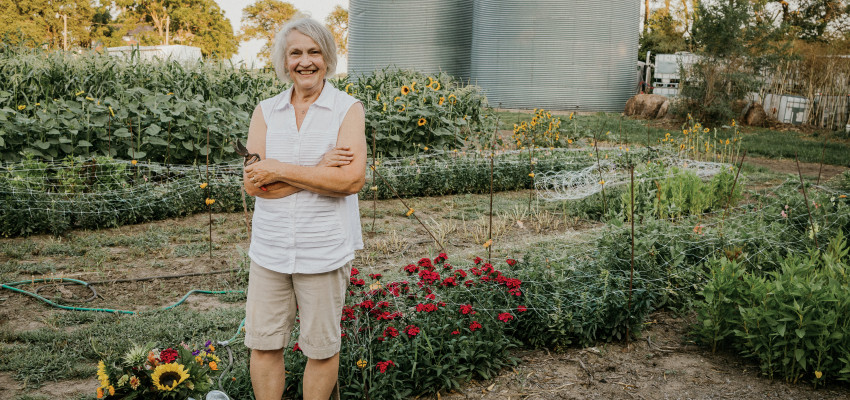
435	86
170	93
453	97
733	122
531	174
409	212
684	131
102	377
21	107
361	363
374	188
422	121
80	92
89	98
602	182
209	202
426	148
348	87
134	382
818	374
213	366
488	243
570	141
134	162
166	377
706	130
413	86
442	99
403	107
38	104
99	393
385	106
405	90
727	141
204	185
111	112
378	96
111	390
199	360
843	196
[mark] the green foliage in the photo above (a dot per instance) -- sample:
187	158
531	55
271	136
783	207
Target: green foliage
794	321
407	111
262	19
665	35
737	43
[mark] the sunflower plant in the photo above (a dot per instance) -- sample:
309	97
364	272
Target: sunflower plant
145	372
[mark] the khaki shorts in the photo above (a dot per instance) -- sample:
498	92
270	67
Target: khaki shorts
274	298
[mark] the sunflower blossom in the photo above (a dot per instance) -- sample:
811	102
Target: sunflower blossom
166	377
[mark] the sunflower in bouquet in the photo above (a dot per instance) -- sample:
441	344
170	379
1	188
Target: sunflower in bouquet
145	372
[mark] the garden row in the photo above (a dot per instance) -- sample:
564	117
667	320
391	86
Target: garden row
40	197
53	105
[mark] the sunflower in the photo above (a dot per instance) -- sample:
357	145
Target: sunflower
166	377
453	98
435	85
422	121
405	90
442	99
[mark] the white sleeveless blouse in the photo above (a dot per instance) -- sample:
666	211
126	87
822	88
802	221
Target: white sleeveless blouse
305	233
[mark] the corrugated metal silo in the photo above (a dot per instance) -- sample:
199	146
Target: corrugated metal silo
426	35
561	55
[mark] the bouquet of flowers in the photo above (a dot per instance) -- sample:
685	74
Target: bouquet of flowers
145	372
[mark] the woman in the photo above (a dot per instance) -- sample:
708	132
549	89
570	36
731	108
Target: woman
306	223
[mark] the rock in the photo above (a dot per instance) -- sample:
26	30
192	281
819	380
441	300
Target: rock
662	111
755	116
646	105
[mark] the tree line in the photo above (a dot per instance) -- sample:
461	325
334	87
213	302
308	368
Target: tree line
97	24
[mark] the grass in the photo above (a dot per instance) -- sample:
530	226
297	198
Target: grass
762	142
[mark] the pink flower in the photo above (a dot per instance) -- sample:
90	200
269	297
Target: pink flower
783	214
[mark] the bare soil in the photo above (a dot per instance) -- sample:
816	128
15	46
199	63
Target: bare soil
662	363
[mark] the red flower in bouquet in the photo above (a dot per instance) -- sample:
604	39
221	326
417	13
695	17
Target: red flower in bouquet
411	330
505	317
168	355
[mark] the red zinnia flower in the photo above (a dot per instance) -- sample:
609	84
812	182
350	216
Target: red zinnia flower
505	317
460	273
430	296
354	271
426	263
429	307
466	309
521	309
391	332
375	276
441	258
168	355
455	332
411	269
357	282
450	281
474	326
469	283
382	366
511	262
477	260
411	330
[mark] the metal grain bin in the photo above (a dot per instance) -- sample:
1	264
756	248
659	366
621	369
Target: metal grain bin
561	55
426	35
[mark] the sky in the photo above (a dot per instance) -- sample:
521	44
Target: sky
318	9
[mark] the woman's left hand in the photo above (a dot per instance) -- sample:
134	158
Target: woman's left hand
264	172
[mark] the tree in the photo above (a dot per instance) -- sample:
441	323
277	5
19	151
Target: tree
337	22
198	23
39	22
665	34
263	19
816	20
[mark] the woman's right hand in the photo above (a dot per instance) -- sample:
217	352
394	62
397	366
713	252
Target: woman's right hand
337	157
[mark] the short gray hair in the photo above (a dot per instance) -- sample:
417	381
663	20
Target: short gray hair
312	29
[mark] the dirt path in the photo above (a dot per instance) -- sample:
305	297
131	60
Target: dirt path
809	170
663	364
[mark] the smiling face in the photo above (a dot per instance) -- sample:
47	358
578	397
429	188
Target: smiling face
304	62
